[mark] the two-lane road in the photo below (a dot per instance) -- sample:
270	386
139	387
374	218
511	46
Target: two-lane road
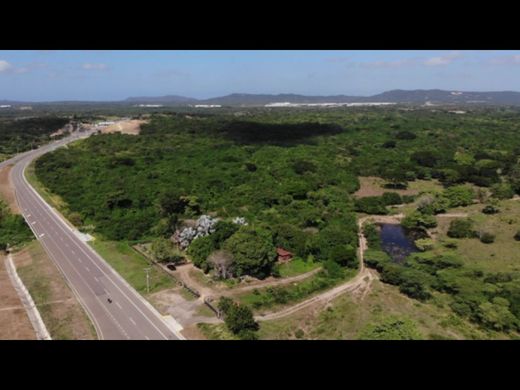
93	281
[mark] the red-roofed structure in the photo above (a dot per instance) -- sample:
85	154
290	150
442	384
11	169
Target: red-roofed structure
283	255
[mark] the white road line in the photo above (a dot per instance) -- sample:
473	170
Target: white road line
132	321
118	305
88	269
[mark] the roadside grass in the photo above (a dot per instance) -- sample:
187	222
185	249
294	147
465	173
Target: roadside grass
345	317
216	332
296	267
131	265
62	314
204	311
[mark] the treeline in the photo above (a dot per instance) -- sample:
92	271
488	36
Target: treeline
19	135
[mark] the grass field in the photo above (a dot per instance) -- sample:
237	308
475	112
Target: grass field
345	317
501	255
295	292
130	265
296	267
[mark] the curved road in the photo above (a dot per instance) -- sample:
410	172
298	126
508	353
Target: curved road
129	316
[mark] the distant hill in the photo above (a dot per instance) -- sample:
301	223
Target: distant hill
169	99
434	96
418	96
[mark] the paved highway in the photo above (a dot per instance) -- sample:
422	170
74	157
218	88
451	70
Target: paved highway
128	316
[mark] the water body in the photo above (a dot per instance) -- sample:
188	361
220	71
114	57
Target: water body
395	242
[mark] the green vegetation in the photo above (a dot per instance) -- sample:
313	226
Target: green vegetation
391	328
291	175
295	292
295	267
19	135
238	319
13	229
130	265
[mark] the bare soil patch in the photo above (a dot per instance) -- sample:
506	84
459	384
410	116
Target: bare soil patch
132	127
62	314
374	186
7	190
14	322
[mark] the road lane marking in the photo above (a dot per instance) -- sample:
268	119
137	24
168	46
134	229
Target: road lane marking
132	321
41	235
88	270
118	305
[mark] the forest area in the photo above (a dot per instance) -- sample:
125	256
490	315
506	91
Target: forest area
291	176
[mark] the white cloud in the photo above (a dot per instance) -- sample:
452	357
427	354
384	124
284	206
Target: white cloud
505	60
5	66
95	66
443	60
389	64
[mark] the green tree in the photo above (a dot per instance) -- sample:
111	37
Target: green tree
496	315
253	251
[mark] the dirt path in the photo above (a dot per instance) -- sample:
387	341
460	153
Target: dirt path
183	273
453	215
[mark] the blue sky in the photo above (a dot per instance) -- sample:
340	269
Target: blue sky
114	75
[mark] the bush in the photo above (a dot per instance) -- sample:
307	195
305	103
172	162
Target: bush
460	195
517	236
239	319
391	328
418	220
460	228
486	237
200	249
390	198
490	209
371	205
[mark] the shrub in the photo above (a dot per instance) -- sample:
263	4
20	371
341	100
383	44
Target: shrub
460	228
490	209
486	237
391	328
390	198
460	195
517	236
371	205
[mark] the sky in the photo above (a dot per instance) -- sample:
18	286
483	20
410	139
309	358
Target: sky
48	75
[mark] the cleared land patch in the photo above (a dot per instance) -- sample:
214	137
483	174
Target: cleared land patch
132	127
14	322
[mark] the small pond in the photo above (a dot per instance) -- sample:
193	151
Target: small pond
396	242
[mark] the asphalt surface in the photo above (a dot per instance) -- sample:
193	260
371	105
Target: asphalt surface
128	316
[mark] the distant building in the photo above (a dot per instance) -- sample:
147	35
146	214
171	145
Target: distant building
5	106
283	255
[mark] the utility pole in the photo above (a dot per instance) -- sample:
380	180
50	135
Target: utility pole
147	270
